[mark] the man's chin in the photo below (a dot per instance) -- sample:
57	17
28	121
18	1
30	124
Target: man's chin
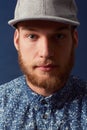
48	82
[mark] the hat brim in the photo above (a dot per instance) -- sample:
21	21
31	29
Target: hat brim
13	22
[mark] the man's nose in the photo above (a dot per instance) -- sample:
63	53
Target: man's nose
46	48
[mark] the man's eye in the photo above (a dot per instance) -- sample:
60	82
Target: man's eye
32	36
59	36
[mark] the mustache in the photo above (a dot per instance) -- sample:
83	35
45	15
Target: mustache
46	62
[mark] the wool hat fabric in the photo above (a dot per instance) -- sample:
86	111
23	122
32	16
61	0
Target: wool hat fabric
64	11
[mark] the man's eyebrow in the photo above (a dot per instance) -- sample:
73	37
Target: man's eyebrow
29	28
63	28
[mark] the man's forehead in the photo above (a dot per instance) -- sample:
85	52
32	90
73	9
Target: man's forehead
43	24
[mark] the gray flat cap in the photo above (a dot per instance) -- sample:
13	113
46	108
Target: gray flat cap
52	10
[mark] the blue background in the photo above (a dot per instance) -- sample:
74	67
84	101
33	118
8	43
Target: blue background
9	68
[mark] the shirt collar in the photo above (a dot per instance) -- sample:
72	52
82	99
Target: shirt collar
55	100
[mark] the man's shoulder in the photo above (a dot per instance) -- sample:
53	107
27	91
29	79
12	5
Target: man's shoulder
78	82
12	85
79	86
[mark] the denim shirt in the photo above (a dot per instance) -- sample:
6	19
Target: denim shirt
23	109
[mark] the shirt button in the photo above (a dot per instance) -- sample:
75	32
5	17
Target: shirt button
43	102
45	116
67	128
36	107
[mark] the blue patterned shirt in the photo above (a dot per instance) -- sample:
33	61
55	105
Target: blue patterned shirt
23	109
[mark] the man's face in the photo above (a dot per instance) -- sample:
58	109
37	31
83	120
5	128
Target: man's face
46	52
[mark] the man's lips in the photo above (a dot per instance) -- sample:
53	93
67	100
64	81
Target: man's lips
46	67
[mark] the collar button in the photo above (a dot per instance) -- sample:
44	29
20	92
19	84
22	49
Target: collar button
45	116
43	102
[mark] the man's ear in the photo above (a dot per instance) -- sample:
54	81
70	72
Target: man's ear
16	39
75	37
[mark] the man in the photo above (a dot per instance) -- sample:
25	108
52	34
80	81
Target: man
46	97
